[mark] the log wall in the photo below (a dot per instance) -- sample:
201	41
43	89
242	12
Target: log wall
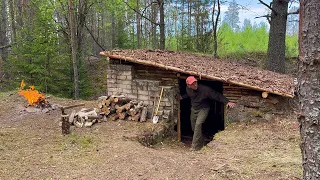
234	92
250	105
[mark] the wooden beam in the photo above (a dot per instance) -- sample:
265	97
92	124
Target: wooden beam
72	106
265	94
179	123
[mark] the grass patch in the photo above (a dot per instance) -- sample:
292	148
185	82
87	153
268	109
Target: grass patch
4	95
77	141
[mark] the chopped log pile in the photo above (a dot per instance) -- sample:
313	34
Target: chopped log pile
84	118
111	107
122	108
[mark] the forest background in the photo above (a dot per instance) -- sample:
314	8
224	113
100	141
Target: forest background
49	44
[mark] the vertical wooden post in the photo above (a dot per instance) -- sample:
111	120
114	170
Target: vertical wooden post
179	123
224	116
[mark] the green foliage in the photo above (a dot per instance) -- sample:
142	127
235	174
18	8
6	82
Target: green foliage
85	88
36	57
292	46
42	54
249	40
241	42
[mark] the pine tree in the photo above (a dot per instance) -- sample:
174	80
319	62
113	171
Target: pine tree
232	16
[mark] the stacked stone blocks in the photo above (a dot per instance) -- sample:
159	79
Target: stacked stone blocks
121	80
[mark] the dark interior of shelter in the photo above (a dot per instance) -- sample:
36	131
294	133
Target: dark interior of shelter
215	120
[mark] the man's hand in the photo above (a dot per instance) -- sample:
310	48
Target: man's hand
231	105
179	97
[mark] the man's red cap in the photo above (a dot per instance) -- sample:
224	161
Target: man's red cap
190	80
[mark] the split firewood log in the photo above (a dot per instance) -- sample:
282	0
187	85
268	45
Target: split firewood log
104	110
92	112
111	98
95	117
137	116
124	107
144	112
107	102
110	111
71	117
87	110
78	124
100	105
101	98
122	115
129	118
113	105
88	124
121	100
128	106
136	109
114	117
80	119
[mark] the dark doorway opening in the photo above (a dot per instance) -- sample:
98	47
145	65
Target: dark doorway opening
215	120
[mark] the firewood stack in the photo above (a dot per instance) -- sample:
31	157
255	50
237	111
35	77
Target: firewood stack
123	108
84	118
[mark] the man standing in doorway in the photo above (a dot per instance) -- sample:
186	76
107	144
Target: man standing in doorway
201	96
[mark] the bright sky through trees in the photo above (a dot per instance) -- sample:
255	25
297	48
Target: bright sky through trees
249	9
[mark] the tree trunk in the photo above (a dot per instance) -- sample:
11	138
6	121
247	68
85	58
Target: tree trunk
146	32
308	87
20	12
73	49
81	20
113	30
215	25
3	31
154	27
182	28
138	25
277	36
13	23
162	25
189	19
103	31
189	38
197	26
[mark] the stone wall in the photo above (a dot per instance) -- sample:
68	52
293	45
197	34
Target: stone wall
141	86
119	79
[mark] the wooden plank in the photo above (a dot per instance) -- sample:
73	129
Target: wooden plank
179	123
72	106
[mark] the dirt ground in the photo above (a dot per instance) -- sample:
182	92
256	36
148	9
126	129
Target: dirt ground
32	147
